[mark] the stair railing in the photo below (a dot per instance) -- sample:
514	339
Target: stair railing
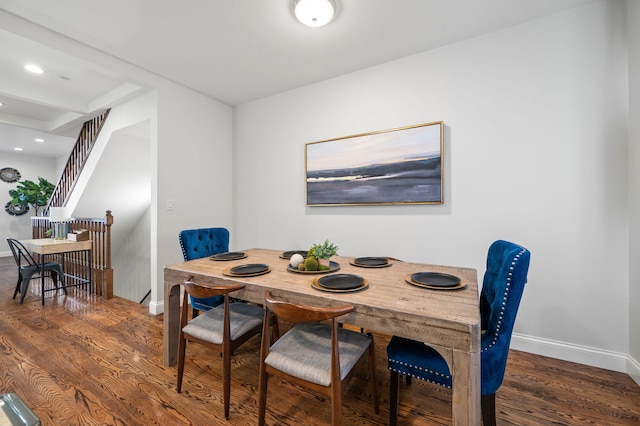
76	161
99	230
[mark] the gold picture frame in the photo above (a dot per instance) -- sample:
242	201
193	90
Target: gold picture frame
386	167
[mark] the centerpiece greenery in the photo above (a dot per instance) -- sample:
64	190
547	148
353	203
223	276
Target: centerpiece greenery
324	250
317	257
33	194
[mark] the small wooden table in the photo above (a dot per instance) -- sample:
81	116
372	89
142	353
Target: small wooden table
447	320
49	246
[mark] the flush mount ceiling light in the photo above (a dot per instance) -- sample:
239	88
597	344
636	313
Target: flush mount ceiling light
39	140
33	68
314	13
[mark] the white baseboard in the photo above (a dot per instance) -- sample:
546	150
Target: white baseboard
156	308
633	368
5	254
600	358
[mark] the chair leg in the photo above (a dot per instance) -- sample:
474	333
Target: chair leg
182	348
226	380
55	277
394	398
60	274
488	406
262	394
336	404
372	372
24	287
17	285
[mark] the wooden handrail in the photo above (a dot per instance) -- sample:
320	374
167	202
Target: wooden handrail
76	161
100	233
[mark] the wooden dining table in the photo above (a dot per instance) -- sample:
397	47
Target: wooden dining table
448	320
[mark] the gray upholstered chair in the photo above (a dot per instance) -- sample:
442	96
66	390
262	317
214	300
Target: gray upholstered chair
223	328
312	354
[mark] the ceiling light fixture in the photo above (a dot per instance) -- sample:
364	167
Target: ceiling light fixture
33	68
39	140
18	149
314	13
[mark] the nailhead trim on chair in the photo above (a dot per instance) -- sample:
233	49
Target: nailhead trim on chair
184	251
504	300
435	373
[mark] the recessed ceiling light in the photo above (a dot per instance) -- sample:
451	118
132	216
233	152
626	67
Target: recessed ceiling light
33	68
1	104
18	149
39	140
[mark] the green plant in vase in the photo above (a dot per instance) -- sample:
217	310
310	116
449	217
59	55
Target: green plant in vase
323	252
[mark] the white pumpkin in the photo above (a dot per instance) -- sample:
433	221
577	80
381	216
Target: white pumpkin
296	259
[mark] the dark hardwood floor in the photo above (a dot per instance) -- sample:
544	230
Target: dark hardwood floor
82	361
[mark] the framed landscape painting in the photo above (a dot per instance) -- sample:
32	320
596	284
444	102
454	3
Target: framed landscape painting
396	166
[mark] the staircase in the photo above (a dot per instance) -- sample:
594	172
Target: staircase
99	228
78	157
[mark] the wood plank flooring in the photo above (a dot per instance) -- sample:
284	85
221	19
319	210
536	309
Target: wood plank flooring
82	361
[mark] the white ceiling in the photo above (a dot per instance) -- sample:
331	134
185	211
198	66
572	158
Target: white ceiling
235	51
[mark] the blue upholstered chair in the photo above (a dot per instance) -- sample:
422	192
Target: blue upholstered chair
503	284
199	243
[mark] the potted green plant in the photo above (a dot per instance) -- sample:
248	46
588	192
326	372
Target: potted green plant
323	252
33	194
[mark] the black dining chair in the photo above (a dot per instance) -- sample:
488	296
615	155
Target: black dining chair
27	268
502	288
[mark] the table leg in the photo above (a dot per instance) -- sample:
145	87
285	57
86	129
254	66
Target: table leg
171	322
466	388
42	256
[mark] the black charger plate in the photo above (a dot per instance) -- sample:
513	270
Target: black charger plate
435	279
341	281
249	269
230	255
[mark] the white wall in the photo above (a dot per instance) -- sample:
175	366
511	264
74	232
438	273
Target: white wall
30	168
121	182
535	152
633	28
193	168
132	261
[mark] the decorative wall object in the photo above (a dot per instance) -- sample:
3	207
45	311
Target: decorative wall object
9	174
396	166
16	209
30	193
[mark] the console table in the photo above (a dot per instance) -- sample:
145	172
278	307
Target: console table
49	246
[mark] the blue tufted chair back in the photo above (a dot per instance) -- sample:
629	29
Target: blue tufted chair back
502	288
199	243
